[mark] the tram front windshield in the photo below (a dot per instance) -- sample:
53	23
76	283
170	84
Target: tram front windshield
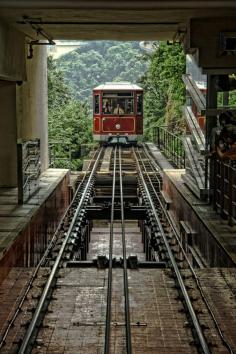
118	104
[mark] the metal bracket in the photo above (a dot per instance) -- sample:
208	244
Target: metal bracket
39	31
178	37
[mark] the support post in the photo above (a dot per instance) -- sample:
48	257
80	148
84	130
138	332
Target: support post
20	174
211	122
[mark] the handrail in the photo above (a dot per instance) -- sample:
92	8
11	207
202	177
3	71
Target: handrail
195	129
224	188
195	93
171	145
28	168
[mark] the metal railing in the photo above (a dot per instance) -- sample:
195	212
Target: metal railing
171	145
60	155
29	168
224	189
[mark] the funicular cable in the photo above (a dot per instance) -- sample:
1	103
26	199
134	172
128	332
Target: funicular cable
109	286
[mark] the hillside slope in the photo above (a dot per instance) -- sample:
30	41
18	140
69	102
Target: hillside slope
101	61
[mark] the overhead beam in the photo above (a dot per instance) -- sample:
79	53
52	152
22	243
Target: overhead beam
112	4
204	38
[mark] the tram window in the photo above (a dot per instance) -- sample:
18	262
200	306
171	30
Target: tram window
118	94
129	106
118	106
139	103
96	104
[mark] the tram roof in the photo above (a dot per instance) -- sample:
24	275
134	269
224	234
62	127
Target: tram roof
118	86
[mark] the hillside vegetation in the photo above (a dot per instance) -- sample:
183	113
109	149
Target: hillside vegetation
164	90
99	62
69	121
72	77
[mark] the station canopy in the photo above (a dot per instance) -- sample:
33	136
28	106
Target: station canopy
110	19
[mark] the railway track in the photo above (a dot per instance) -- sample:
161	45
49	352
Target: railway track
70	246
150	189
125	275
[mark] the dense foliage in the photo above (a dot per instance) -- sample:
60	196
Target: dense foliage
98	62
69	122
72	77
164	89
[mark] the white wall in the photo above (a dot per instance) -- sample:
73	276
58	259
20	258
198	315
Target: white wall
32	109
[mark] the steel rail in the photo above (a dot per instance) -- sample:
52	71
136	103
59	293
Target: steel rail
125	272
217	325
188	303
41	262
109	285
28	336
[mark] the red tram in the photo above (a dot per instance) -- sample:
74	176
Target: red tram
117	112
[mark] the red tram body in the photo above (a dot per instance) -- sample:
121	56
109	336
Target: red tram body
117	112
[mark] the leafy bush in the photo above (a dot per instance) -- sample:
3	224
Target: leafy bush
69	122
97	62
164	91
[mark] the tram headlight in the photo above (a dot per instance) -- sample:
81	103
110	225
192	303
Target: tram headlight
117	126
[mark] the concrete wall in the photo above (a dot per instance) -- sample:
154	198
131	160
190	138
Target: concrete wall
8	152
38	227
204	37
12	54
184	207
23	108
12	69
32	111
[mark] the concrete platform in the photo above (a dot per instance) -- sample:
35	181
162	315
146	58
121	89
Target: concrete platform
22	226
212	237
157	154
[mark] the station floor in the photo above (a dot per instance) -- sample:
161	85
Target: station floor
75	322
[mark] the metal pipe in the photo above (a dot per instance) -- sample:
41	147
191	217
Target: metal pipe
27	339
122	4
125	273
109	285
97	23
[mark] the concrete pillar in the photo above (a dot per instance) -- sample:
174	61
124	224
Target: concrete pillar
8	134
32	107
211	102
211	122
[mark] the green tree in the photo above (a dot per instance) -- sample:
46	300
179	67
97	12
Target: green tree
69	122
97	62
164	91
